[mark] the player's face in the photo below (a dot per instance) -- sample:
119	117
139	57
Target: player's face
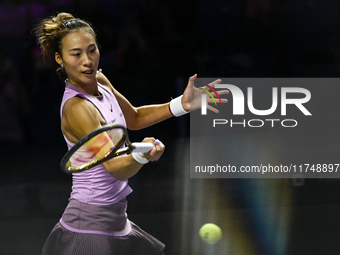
80	57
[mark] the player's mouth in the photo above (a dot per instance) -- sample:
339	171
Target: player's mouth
88	72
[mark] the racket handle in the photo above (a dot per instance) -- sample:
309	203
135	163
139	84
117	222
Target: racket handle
143	147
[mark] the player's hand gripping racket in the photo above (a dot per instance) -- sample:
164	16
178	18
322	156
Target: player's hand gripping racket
99	146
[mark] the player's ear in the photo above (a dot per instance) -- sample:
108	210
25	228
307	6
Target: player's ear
58	58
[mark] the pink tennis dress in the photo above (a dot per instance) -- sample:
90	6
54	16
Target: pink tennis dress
95	220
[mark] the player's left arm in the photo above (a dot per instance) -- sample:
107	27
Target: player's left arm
144	116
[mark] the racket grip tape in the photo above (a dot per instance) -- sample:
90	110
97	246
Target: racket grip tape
143	147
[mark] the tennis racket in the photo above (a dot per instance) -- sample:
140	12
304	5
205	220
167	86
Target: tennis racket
99	146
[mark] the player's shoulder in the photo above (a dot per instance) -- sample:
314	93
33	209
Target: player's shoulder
103	80
79	118
76	102
77	106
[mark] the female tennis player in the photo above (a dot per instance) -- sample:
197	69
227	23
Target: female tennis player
95	220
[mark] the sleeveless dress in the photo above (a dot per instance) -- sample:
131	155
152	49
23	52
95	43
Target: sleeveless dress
95	221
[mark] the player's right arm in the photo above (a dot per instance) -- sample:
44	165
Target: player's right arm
80	117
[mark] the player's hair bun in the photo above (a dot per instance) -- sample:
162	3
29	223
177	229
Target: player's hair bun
48	34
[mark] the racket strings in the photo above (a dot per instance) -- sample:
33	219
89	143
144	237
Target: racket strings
99	148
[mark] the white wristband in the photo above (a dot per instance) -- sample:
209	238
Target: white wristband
139	158
176	107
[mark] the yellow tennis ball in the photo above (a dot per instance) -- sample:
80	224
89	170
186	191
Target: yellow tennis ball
210	233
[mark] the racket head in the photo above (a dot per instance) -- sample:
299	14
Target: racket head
97	147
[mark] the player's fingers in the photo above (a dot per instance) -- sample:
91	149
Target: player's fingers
150	140
154	154
223	100
212	84
212	109
223	92
192	79
157	151
160	145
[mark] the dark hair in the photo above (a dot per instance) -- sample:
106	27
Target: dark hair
51	31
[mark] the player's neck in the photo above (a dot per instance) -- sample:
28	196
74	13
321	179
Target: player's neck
90	89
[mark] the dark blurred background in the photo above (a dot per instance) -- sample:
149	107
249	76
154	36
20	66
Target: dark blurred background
149	49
